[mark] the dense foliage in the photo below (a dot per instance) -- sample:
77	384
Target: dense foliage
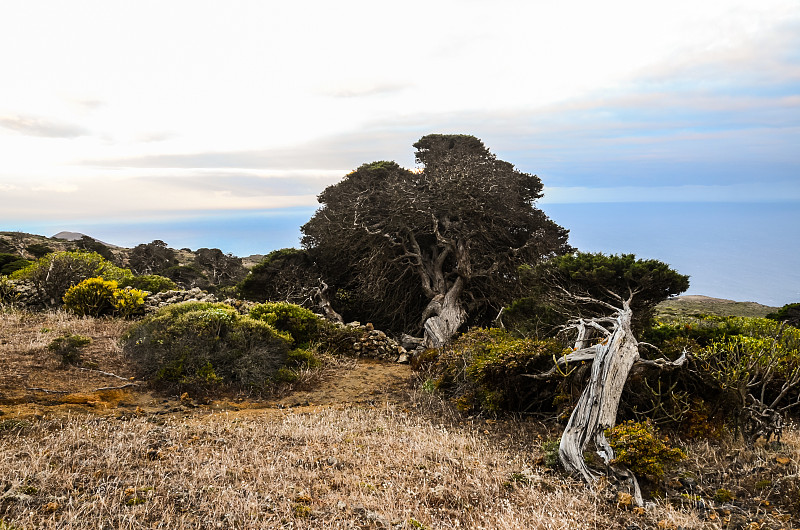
439	247
92	245
585	284
199	347
483	371
288	275
640	447
300	323
10	263
54	273
98	297
152	283
790	313
151	258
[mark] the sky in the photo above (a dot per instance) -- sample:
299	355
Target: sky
670	130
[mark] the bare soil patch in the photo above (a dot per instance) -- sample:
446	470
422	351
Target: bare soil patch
35	381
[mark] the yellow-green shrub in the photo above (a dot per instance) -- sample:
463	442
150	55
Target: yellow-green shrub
302	324
150	282
484	370
97	297
639	446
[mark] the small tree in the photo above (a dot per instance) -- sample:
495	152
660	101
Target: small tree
289	275
221	268
10	263
93	245
39	250
603	292
151	258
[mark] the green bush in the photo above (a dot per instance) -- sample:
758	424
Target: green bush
54	273
302	324
790	313
484	370
152	283
8	292
68	347
39	249
201	346
640	447
302	359
11	263
98	297
734	361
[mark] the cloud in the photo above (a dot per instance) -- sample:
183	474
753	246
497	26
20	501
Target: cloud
744	193
33	126
356	89
55	187
235	185
343	152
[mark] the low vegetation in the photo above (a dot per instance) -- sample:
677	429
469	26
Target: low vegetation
202	347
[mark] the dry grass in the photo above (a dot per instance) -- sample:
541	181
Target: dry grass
26	363
329	468
409	461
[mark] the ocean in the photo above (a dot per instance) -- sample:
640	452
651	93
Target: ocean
739	251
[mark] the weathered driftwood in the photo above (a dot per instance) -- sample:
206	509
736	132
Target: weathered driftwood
613	355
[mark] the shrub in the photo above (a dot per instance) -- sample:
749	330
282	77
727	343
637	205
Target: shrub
302	324
128	302
68	347
39	249
302	359
92	297
8	292
11	263
638	446
152	283
187	276
737	366
97	297
54	273
484	368
790	313
200	346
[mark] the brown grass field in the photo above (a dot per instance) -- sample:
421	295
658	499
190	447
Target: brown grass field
356	445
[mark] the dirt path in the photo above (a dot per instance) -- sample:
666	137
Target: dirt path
370	381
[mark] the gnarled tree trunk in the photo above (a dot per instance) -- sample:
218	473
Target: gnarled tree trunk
597	407
443	316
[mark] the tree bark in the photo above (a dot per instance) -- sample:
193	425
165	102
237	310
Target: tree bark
443	316
597	407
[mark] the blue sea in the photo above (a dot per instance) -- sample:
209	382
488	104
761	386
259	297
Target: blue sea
739	251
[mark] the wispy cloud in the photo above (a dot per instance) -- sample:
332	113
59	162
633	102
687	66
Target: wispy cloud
742	193
357	89
34	126
55	187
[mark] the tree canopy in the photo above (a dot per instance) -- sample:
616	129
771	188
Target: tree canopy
583	284
151	258
437	247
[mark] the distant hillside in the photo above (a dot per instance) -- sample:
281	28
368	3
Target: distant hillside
689	305
208	269
75	236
